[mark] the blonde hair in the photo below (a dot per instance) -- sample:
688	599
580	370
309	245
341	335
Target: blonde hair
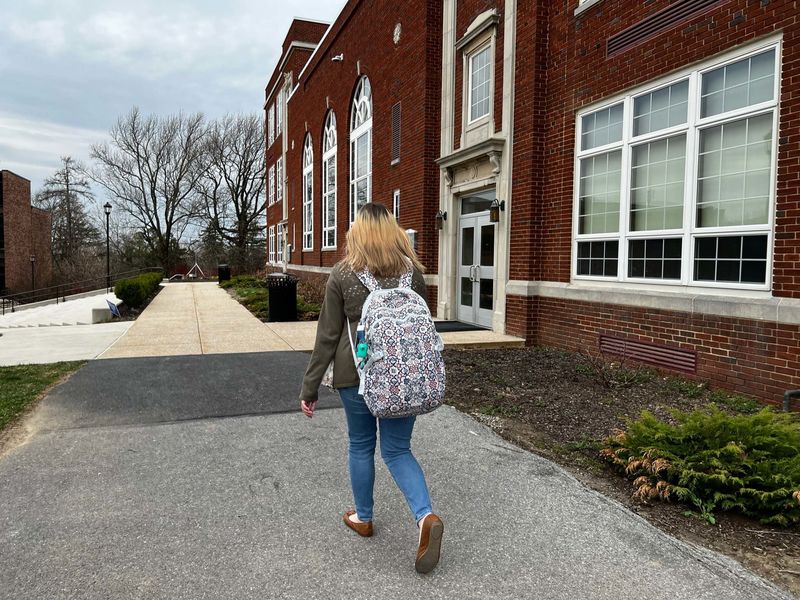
376	242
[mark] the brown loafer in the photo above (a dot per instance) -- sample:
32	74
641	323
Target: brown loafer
430	543
362	529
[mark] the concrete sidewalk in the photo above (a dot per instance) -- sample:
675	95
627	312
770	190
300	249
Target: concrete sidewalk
202	318
125	488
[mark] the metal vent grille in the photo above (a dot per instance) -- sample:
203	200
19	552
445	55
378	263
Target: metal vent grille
665	357
395	133
671	16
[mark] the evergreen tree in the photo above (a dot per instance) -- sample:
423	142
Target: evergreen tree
75	240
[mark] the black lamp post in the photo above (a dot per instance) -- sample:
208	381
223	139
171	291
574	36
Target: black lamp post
33	272
107	208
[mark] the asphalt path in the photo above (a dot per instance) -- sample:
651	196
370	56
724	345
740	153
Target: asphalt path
127	391
127	490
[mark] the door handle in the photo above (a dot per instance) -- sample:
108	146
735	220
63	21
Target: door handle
477	272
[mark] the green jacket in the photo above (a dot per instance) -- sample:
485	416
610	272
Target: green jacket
344	298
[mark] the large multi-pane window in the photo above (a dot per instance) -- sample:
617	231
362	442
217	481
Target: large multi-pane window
271	185
272	244
675	183
329	183
361	148
480	85
279	245
308	195
279	114
279	180
270	125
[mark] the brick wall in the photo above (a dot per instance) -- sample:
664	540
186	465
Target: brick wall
579	73
758	358
26	232
409	73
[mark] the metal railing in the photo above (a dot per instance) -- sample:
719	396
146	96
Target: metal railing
60	292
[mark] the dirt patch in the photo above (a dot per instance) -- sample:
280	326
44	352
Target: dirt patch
560	405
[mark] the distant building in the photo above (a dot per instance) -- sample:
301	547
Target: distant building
25	233
611	175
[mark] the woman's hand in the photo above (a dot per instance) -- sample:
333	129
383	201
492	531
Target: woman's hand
308	406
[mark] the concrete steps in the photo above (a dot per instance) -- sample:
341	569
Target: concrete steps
77	312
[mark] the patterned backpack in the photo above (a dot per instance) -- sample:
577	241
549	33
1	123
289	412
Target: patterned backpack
403	374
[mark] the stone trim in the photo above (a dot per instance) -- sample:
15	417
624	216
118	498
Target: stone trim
583	6
483	22
758	308
307	268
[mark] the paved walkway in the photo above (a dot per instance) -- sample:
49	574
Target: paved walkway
185	477
202	318
195	476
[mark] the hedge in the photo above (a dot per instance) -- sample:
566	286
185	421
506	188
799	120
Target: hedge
136	290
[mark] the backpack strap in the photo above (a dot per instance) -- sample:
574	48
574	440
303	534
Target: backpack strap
406	278
368	279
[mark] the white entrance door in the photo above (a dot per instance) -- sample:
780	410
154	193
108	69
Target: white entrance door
475	285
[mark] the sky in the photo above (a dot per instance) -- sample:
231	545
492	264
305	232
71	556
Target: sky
70	68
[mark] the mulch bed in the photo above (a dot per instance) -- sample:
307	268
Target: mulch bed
561	404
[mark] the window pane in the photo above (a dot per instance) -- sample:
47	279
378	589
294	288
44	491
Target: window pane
657	175
487	246
598	258
599	194
661	109
601	127
466	291
737	259
467	246
362	151
480	84
743	83
655	258
734	173
486	300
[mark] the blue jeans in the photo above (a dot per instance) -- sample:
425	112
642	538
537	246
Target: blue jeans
395	451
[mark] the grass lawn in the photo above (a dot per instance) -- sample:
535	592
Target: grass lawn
21	386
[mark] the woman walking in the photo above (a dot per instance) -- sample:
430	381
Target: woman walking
376	243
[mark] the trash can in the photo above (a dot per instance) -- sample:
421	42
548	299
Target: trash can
282	297
223	273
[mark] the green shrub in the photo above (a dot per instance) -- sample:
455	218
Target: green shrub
135	291
243	281
714	461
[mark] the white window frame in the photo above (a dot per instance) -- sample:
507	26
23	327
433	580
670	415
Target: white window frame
279	245
396	204
271	257
270	125
279	180
329	148
279	114
308	194
358	130
271	186
486	45
690	231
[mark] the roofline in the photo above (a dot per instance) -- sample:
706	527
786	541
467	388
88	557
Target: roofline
15	174
292	46
311	20
321	40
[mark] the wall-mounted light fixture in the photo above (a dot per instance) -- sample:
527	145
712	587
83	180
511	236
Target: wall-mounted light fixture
338	58
495	208
441	217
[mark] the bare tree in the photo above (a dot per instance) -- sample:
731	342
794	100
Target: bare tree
152	168
233	185
75	240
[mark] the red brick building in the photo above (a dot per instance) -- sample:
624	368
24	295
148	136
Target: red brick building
25	258
611	175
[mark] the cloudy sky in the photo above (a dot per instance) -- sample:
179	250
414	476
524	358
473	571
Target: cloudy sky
69	68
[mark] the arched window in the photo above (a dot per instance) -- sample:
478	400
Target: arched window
308	195
329	183
361	148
